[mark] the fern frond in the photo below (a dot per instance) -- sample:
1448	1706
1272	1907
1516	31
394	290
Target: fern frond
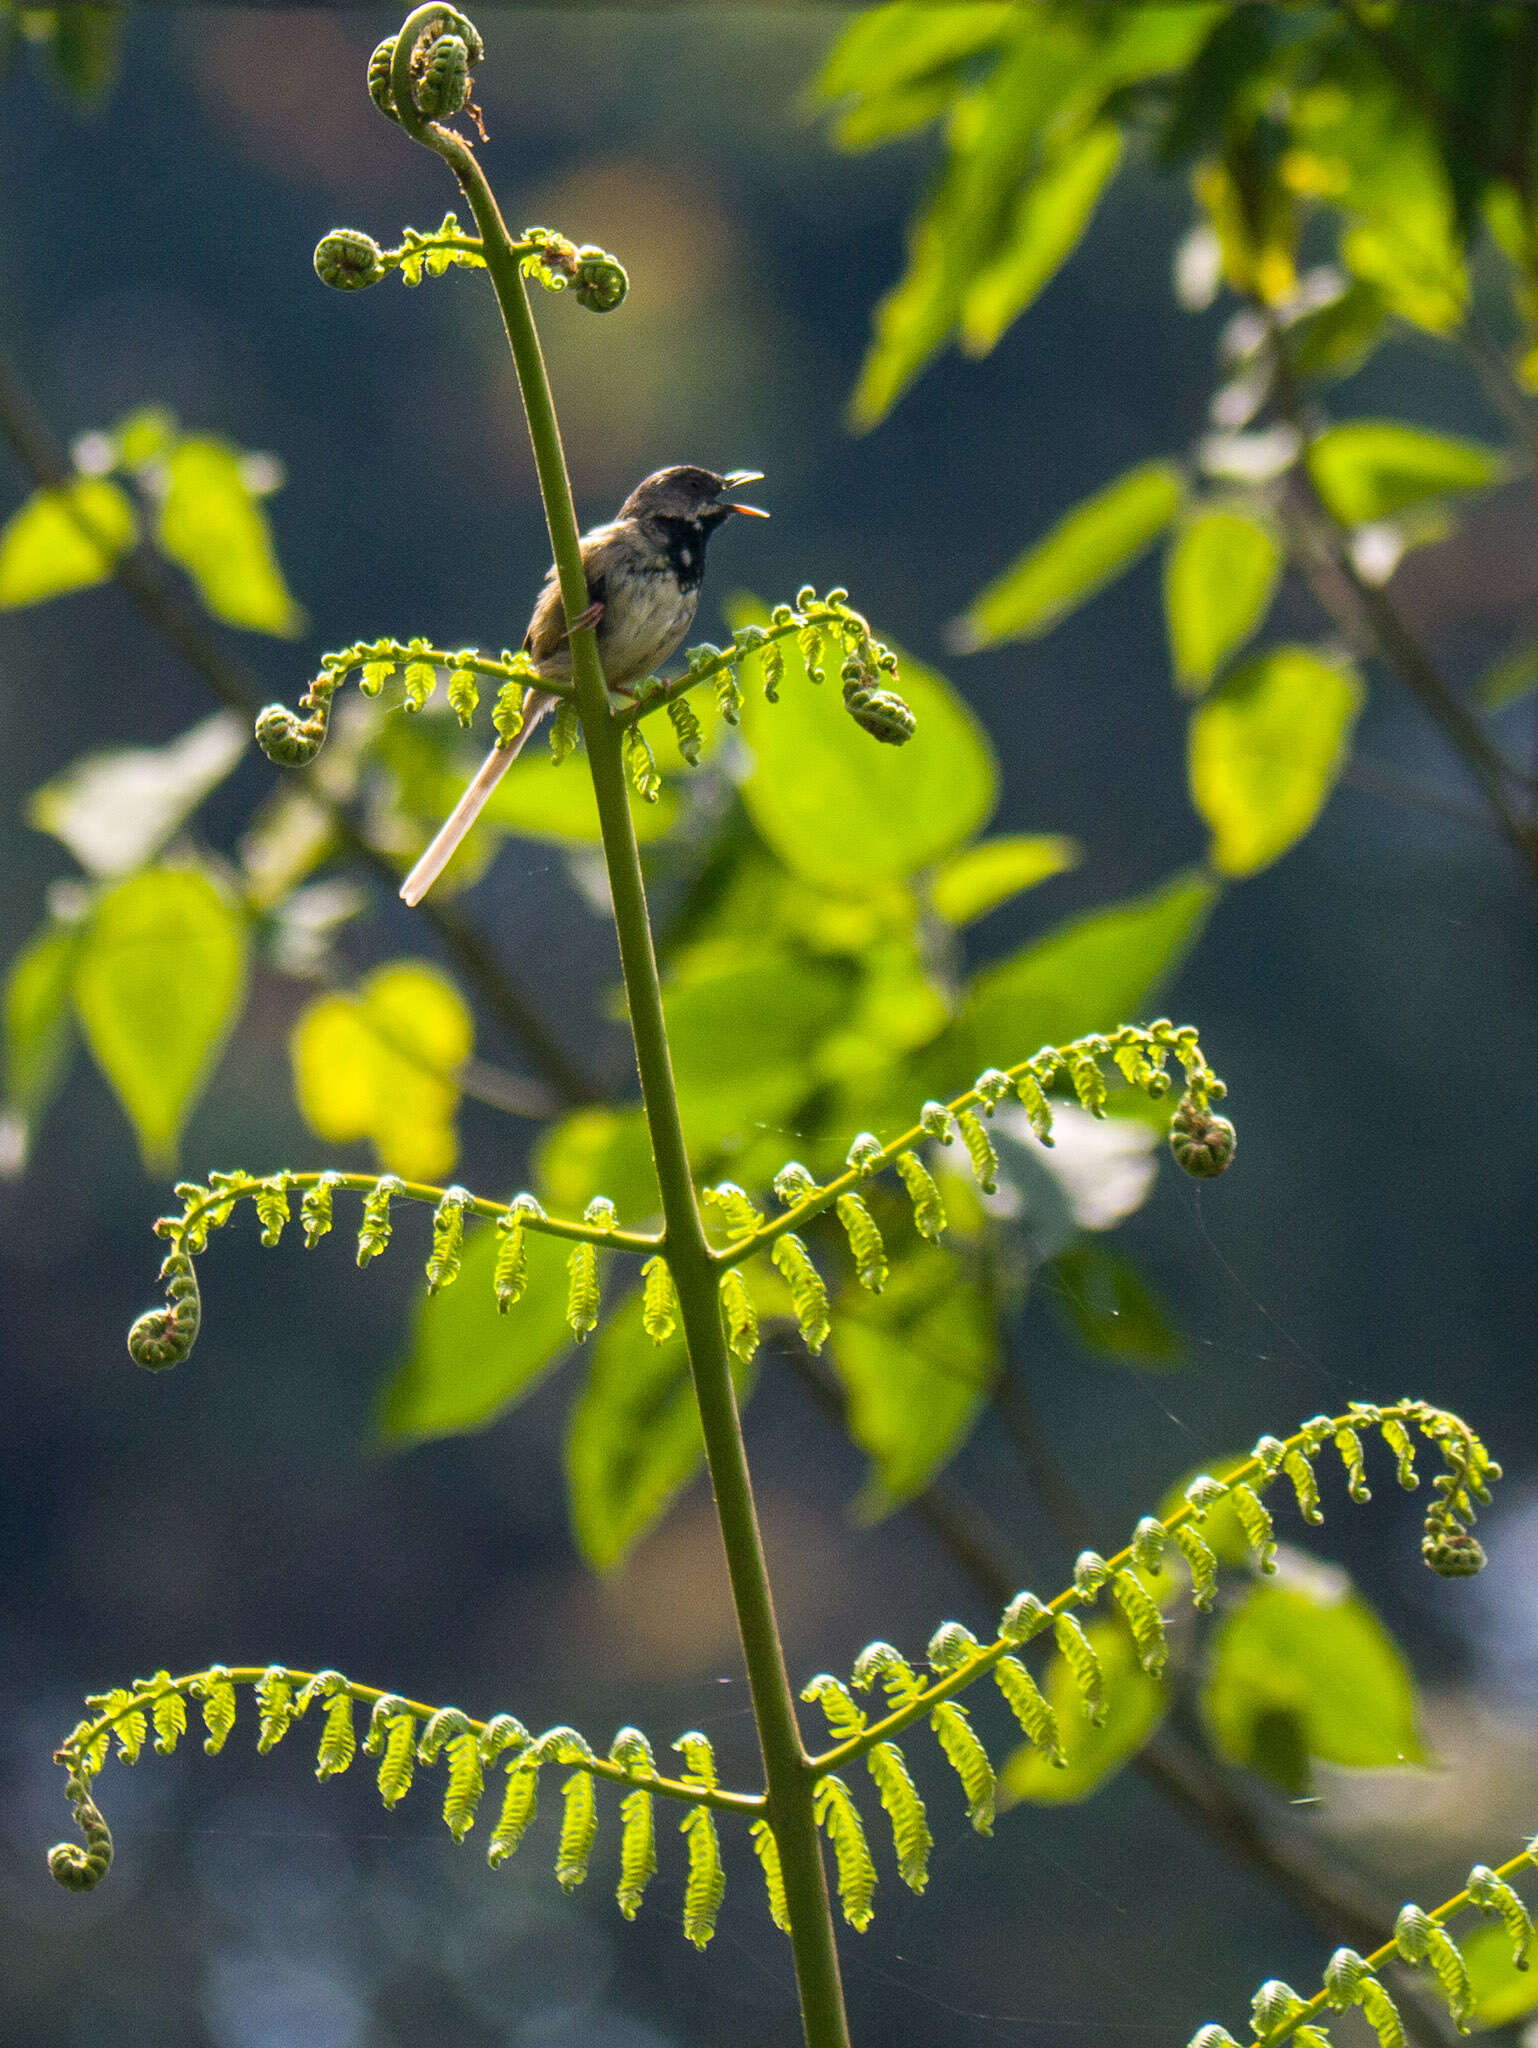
1077	1652
659	1300
637	1849
910	1824
164	1336
641	764
582	1294
579	1830
706	1886
839	1818
985	1161
767	1850
520	1806
808	1295
1421	1939
1030	1708
284	1696
864	1242
272	1209
217	1692
968	1759
929	1218
1140	1053
843	1712
1143	1619
338	1742
448	1239
959	1660
739	1316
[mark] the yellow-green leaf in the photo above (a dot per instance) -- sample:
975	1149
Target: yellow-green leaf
633	1438
212	525
916	1363
116	811
1265	751
64	540
1112	1310
467	1363
1502	1992
381	1064
1089	974
1371	469
1048	218
1305	1669
160	973
1085	550
1219	578
37	1034
844	812
1134	1707
981	877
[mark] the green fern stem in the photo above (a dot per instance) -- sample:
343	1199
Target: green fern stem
1467	1464
690	1260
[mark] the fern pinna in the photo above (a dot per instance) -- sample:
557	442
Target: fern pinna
697	1272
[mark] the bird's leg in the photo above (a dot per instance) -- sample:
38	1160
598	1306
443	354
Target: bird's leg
590	617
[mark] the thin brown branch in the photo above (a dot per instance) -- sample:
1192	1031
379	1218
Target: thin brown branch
146	583
1371	622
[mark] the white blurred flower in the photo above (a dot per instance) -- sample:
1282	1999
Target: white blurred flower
1104	1166
1198	268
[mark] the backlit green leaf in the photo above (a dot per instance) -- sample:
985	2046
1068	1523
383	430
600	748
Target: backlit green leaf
744	1041
38	1033
841	810
1219	578
633	1437
1371	469
981	877
64	540
916	1363
160	974
212	525
1265	751
1085	550
467	1363
381	1063
1088	975
116	811
1111	1308
1306	1669
1134	1704
1047	220
1502	1992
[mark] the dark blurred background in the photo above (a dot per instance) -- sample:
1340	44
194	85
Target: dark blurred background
1371	1001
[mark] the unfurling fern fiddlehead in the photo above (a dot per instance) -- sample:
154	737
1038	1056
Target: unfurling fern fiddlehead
164	1336
1420	1939
402	1734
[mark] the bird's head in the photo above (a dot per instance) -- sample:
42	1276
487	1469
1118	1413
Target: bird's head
691	496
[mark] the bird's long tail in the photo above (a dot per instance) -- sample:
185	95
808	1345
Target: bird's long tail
470	805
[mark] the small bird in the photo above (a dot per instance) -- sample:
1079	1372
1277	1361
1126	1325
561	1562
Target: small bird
643	573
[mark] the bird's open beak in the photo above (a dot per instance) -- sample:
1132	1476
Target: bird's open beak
734	481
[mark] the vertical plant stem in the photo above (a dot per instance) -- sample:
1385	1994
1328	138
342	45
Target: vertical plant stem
787	1773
